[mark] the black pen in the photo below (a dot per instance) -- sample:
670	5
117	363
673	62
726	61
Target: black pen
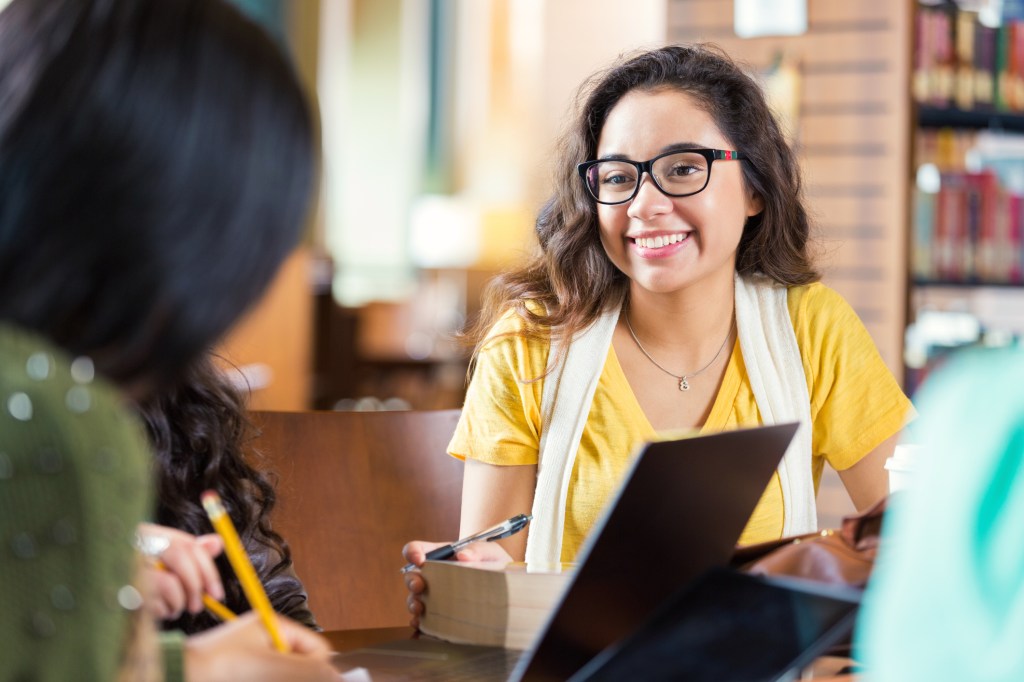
502	530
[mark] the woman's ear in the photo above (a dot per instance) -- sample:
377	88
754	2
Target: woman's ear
755	204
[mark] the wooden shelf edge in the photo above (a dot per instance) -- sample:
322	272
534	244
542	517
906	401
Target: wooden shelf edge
939	283
939	117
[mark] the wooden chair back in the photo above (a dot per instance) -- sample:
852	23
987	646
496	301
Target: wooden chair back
352	489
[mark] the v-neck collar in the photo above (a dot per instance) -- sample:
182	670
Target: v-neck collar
724	403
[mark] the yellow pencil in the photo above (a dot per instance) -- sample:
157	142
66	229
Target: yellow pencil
211	604
218	609
251	584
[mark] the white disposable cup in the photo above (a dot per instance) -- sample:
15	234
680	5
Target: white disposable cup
901	466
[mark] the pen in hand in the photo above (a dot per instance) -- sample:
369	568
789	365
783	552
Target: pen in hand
502	530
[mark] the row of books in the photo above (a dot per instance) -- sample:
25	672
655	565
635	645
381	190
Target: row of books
971	230
945	148
961	62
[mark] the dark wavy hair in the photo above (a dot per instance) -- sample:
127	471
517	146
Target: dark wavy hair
202	440
571	277
156	165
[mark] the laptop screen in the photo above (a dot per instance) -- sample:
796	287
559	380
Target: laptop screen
732	626
679	513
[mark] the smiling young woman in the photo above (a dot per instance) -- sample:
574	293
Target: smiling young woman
677	236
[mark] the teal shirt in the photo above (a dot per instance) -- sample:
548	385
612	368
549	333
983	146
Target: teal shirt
946	601
74	484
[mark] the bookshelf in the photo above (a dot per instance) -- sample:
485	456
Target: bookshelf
966	241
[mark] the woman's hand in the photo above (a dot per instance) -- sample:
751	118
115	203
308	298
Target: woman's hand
415	553
187	570
242	650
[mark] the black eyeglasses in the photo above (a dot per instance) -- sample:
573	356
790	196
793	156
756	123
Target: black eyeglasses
676	174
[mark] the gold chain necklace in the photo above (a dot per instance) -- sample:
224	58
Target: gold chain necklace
683	383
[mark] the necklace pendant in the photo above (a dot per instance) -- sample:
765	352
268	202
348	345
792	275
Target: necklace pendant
683	386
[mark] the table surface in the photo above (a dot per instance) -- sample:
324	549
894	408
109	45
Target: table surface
347	640
823	670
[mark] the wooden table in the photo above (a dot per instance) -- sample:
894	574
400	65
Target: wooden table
823	670
347	640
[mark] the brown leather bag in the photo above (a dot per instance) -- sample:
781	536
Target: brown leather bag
844	556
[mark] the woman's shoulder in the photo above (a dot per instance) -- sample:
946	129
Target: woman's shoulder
815	295
35	375
828	329
46	382
58	403
514	348
512	326
817	303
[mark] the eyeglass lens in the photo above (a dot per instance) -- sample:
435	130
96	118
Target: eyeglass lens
676	174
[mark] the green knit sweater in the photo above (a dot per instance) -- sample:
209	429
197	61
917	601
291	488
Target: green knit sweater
74	484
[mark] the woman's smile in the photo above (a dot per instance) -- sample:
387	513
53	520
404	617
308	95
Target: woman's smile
660	245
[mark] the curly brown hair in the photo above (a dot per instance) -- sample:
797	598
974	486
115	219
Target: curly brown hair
202	440
571	281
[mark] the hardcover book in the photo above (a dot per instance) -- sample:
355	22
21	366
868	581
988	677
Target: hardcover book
489	603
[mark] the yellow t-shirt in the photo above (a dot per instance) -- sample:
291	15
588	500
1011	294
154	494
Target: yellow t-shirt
856	404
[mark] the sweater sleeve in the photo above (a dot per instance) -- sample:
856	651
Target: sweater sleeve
74	483
172	648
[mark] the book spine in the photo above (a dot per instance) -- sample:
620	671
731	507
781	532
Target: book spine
985	266
950	216
1017	67
942	79
1016	260
965	57
1005	255
966	266
1001	80
924	229
924	55
985	38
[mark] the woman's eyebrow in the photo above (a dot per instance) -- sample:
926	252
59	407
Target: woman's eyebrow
681	147
674	147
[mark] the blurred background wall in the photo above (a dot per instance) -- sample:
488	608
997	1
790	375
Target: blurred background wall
439	119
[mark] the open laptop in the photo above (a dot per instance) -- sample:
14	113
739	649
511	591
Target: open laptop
732	626
678	513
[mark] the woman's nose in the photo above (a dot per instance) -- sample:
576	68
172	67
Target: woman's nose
649	200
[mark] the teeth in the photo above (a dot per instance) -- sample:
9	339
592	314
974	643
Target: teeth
659	241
